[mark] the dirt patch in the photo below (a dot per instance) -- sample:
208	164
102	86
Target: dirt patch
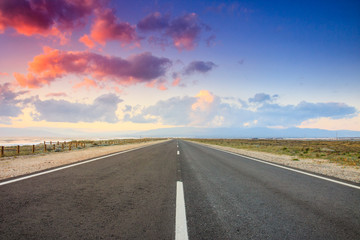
16	166
322	166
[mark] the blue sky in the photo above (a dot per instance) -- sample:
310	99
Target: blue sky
137	65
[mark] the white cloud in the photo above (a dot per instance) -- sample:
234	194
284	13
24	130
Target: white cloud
209	110
102	109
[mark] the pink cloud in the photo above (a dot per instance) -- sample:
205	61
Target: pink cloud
87	41
176	81
118	90
54	64
3	74
56	94
46	18
87	83
107	27
158	83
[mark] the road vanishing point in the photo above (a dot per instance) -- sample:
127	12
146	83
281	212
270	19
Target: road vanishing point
177	190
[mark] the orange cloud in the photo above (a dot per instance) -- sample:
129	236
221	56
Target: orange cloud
30	80
204	101
162	87
87	41
3	74
87	83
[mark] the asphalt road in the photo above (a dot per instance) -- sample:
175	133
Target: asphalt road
133	196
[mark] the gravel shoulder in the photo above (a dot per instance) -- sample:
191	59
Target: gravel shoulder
21	165
321	166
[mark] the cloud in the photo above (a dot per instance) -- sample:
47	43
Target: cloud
259	98
56	94
176	81
333	124
87	41
10	106
207	109
154	22
229	8
102	109
87	83
54	64
199	67
46	18
159	84
3	74
173	111
270	114
178	110
211	40
107	27
203	101
184	31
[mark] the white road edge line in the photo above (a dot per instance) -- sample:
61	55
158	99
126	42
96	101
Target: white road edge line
178	152
180	219
290	169
69	166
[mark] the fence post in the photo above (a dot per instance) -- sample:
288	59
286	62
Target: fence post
76	144
44	146
54	147
33	149
2	151
18	149
70	146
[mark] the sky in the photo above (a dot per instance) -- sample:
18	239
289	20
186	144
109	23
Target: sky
98	65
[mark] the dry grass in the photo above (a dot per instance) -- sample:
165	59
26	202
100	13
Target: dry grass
342	152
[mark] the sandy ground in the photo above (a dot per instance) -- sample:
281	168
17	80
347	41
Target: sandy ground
322	166
16	166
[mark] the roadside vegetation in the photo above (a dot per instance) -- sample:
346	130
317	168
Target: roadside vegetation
55	146
345	152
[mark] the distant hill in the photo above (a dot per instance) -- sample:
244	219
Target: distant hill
248	133
28	132
191	132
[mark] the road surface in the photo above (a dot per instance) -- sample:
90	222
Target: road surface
134	195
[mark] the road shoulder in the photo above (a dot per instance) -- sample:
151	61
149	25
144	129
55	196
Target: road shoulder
17	166
320	166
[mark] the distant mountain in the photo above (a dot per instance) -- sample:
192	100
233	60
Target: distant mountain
61	133
190	132
28	132
247	133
